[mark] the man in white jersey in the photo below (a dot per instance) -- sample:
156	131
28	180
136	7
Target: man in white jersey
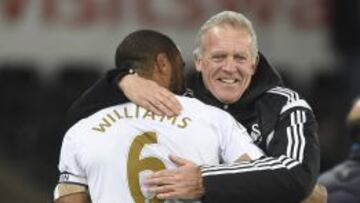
106	156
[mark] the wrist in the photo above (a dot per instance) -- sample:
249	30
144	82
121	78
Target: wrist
122	79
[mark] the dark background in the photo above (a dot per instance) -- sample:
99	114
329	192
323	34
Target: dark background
34	96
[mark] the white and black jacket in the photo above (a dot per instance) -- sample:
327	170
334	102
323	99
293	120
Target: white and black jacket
278	119
283	125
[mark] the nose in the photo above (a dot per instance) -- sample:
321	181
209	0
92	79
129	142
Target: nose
229	65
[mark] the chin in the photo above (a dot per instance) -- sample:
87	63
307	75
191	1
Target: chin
229	99
226	100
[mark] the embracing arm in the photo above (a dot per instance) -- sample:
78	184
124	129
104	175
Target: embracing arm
288	174
118	87
146	93
149	95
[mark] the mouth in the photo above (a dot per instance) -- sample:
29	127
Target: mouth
228	81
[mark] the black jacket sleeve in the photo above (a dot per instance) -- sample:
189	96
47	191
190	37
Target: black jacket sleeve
103	93
287	175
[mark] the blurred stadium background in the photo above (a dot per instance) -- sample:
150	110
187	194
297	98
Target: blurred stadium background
52	50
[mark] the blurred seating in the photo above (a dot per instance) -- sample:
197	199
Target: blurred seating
329	103
19	107
32	113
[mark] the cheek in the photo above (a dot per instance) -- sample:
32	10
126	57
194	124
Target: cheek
247	70
209	73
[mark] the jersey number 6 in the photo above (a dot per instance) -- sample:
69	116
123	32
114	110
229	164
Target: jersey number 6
135	165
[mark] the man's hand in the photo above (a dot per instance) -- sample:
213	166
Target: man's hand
149	95
318	195
184	182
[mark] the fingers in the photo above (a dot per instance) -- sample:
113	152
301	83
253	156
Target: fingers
165	192
158	182
161	178
179	161
163	173
161	189
157	185
176	183
168	191
167	103
169	195
176	192
150	95
150	107
171	102
160	104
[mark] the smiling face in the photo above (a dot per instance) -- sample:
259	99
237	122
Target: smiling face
226	63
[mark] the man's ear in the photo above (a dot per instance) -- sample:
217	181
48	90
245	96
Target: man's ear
162	63
198	64
255	64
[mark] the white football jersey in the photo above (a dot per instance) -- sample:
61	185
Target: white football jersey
112	151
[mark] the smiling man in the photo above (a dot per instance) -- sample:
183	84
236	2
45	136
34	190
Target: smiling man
227	62
106	156
232	75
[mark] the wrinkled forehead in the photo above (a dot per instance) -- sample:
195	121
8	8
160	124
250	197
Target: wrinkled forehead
225	28
227	38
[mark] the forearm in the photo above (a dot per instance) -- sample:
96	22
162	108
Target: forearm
265	183
114	77
283	176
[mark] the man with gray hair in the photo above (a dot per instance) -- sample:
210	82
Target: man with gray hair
233	76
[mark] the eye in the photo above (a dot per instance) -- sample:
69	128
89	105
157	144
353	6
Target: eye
240	58
218	57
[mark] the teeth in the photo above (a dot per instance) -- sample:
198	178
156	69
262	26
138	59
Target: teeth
228	81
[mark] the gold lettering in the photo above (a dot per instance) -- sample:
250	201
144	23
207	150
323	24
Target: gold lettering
149	114
126	113
136	164
102	126
117	114
111	118
184	122
137	111
169	118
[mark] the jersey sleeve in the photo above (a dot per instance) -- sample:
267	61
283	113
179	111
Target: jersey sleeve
237	142
71	171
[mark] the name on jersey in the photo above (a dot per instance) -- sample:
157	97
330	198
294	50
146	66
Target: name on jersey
138	113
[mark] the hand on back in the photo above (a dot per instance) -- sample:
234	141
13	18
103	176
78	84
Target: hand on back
149	95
